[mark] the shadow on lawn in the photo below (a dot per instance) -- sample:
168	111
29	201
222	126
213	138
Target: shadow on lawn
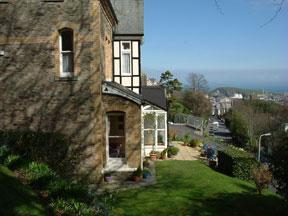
17	199
237	204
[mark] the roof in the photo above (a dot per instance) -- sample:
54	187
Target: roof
155	95
130	14
113	88
108	7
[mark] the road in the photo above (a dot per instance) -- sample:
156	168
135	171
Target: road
218	133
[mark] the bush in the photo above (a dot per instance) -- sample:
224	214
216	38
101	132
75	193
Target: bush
279	163
236	162
172	151
262	177
195	143
72	207
62	188
4	152
163	154
50	148
178	138
186	139
13	162
138	172
39	175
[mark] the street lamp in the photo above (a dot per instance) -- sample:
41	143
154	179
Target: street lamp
259	144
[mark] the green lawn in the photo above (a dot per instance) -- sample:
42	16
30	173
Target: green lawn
192	188
17	199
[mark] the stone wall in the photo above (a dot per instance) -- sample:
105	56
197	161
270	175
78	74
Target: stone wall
132	126
32	97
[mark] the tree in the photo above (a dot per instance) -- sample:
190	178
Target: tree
171	85
177	108
279	163
198	82
198	103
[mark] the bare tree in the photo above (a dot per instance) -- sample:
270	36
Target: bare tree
278	3
198	82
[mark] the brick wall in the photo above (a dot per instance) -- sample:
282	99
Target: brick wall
31	95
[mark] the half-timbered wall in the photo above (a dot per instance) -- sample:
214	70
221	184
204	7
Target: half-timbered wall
127	73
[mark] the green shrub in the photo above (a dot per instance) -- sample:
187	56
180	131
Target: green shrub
163	154
172	151
178	138
187	139
39	175
138	172
62	188
13	162
50	148
236	162
4	152
262	177
195	143
73	207
158	154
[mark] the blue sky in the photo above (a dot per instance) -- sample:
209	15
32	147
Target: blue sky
230	49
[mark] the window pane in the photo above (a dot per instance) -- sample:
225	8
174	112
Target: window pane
67	62
67	40
161	137
117	147
149	137
161	121
149	121
116	125
126	63
126	46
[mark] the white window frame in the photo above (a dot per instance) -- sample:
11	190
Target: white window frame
128	51
155	130
61	52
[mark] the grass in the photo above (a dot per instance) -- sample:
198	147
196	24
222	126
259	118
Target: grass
17	199
192	188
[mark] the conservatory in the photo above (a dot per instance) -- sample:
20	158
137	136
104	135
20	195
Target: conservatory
154	124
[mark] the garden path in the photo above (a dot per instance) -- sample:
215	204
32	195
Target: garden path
186	152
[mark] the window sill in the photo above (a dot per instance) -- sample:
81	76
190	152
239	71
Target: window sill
66	79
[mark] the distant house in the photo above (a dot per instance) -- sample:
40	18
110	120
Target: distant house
74	67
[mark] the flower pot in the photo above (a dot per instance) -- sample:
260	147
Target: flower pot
146	175
153	156
136	178
108	178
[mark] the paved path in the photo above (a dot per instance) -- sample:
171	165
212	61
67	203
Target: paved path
186	152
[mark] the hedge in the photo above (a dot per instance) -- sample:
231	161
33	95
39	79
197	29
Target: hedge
236	162
50	148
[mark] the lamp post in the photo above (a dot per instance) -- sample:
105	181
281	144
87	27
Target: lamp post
259	144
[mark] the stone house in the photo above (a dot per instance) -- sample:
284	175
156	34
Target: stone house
73	67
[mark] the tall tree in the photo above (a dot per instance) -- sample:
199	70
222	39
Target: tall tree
171	85
198	82
198	103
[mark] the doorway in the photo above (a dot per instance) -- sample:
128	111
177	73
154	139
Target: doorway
115	149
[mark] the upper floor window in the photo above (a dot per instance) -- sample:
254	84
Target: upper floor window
66	53
126	58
